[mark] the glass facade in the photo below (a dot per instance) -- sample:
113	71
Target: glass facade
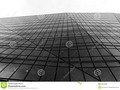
60	47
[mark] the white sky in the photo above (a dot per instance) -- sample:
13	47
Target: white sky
11	8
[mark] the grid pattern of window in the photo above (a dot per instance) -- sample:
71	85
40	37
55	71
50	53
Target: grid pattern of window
60	47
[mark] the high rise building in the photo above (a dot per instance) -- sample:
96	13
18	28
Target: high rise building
60	47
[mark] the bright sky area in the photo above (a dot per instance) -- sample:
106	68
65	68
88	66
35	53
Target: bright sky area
12	8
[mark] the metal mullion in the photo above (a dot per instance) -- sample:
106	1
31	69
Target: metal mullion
102	45
49	52
22	62
104	60
87	50
78	51
36	58
68	48
52	47
107	48
59	53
